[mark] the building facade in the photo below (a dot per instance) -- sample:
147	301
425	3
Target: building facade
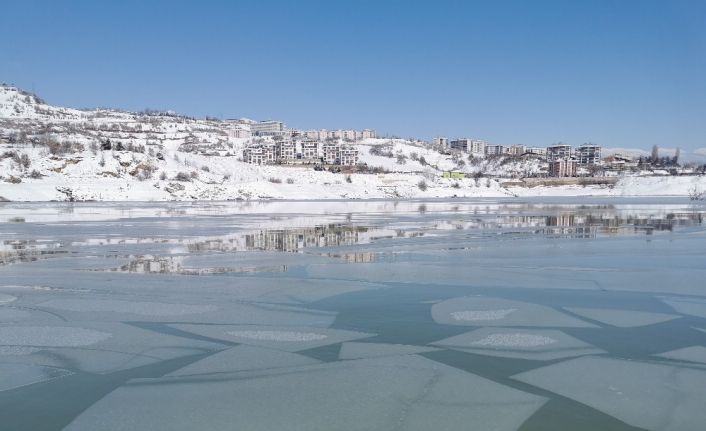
588	154
269	128
562	168
558	152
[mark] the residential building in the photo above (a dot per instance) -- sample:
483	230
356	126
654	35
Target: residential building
239	132
310	150
254	154
562	168
441	142
286	151
517	150
537	150
588	154
350	135
331	153
494	150
460	145
368	134
348	156
269	128
558	152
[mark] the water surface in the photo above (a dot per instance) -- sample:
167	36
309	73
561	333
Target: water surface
549	314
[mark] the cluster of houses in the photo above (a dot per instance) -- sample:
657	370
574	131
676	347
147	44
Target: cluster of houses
563	160
301	151
247	129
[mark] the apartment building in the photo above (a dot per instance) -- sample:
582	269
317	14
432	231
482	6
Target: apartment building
310	150
348	156
562	168
286	151
558	152
269	128
441	142
517	150
494	150
331	153
588	154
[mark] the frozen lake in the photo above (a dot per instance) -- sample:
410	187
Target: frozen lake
553	314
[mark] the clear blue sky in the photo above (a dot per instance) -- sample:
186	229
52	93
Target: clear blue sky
628	73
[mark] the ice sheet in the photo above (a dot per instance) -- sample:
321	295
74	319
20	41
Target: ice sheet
288	338
244	358
486	311
622	318
104	347
6	299
50	336
691	306
16	375
646	395
541	344
142	308
13	315
690	354
357	350
402	392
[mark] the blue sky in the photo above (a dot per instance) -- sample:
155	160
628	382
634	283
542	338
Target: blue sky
628	73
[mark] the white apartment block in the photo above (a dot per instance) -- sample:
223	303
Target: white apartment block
588	154
286	151
441	142
331	153
348	156
517	150
239	132
310	150
494	150
269	128
558	152
540	151
323	134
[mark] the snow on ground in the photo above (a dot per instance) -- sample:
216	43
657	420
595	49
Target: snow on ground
55	153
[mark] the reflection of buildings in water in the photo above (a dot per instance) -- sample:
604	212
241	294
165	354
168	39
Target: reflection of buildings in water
360	257
17	251
150	264
606	223
297	239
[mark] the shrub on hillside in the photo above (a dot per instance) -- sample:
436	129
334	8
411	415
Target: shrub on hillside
182	176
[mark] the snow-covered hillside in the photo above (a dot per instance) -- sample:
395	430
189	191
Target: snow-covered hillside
55	153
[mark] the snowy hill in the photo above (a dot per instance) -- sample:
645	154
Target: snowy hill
56	153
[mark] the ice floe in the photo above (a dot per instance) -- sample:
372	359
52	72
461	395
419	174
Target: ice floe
50	336
645	395
282	338
622	318
690	306
105	347
541	344
514	340
690	354
269	335
16	375
13	315
357	350
244	358
485	311
129	307
6	299
401	392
